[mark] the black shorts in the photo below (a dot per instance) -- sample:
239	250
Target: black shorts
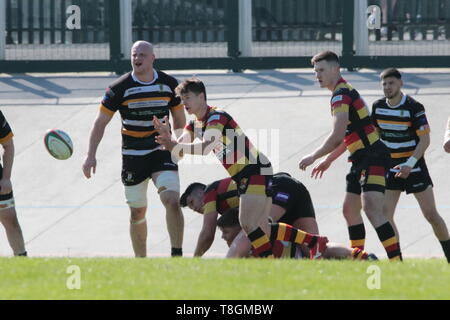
369	171
418	180
293	196
4	197
254	179
136	169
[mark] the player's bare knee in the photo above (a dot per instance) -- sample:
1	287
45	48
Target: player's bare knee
170	200
432	216
137	214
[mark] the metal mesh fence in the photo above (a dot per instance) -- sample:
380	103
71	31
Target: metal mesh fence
412	28
296	28
182	29
37	30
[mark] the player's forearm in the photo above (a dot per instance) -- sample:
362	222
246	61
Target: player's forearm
336	153
204	243
178	126
196	148
8	160
96	136
330	144
422	146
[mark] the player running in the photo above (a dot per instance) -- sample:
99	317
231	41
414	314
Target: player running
250	169
353	130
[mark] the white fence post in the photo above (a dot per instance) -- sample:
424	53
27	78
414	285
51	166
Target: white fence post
245	28
126	28
361	32
2	29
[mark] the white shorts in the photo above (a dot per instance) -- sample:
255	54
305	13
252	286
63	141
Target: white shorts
136	195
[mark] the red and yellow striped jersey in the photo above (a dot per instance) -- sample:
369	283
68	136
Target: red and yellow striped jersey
361	132
220	196
234	151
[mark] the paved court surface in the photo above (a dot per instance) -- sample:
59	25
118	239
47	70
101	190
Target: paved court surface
63	214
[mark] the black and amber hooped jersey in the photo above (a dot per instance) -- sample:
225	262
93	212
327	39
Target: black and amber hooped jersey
234	151
400	126
5	130
137	103
220	196
361	132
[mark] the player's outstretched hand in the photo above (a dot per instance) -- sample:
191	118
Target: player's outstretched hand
320	168
306	162
88	165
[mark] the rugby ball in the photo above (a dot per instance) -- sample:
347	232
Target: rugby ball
58	144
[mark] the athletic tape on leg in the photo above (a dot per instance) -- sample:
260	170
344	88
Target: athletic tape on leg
7	204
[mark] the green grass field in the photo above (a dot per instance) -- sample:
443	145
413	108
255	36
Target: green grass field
221	279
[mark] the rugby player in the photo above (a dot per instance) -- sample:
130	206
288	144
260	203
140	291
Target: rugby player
291	204
249	169
228	224
8	214
139	96
353	130
404	129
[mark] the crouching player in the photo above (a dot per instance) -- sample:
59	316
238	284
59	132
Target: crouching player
291	204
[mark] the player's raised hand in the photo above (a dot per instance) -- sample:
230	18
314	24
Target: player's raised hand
306	162
320	168
165	136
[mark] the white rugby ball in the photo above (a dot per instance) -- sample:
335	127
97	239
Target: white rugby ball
58	144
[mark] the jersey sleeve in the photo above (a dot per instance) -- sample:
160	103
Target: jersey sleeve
340	103
110	102
419	121
216	121
210	199
5	130
175	102
373	116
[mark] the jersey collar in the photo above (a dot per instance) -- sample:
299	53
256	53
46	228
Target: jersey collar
402	102
155	77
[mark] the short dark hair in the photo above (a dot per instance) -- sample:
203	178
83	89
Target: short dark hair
328	56
229	218
189	189
194	85
391	72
